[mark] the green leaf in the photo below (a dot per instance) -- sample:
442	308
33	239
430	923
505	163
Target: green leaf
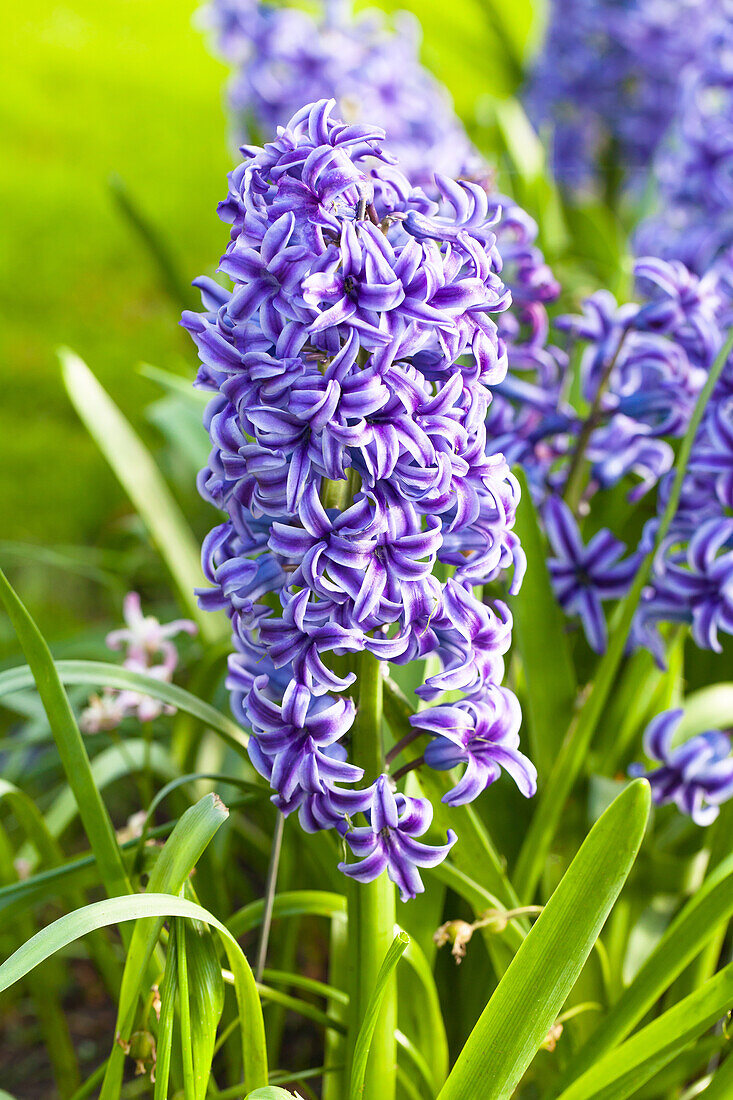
574	750
622	1071
721	1086
168	993
707	910
112	764
154	243
174	864
102	674
292	903
531	994
541	639
147	907
270	1092
69	743
142	481
709	708
176	384
433	1044
371	1015
33	823
190	1091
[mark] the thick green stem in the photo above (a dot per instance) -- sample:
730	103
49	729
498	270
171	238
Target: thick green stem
371	907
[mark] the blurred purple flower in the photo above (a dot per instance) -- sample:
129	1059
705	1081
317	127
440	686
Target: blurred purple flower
696	775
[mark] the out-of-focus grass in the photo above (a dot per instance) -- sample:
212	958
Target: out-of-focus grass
120	88
92	89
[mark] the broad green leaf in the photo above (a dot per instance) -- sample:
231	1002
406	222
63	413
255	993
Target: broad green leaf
369	1022
146	907
622	1071
142	481
293	903
574	750
102	674
69	743
531	994
710	908
541	639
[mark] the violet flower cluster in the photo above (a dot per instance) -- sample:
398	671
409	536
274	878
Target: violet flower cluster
148	648
694	167
642	366
282	57
608	81
350	368
696	775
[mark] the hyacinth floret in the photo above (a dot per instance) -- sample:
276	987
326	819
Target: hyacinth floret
349	368
696	775
609	81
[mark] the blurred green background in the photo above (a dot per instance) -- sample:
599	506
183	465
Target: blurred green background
94	89
128	89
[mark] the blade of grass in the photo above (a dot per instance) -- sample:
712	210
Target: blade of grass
707	910
102	674
184	1008
154	243
433	1044
70	745
531	994
64	931
142	481
622	1071
178	857
164	1045
292	903
721	1086
574	750
33	823
368	1023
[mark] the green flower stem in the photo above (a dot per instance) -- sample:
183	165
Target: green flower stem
371	907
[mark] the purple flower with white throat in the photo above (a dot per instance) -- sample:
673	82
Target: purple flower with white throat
483	734
584	576
388	841
696	775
